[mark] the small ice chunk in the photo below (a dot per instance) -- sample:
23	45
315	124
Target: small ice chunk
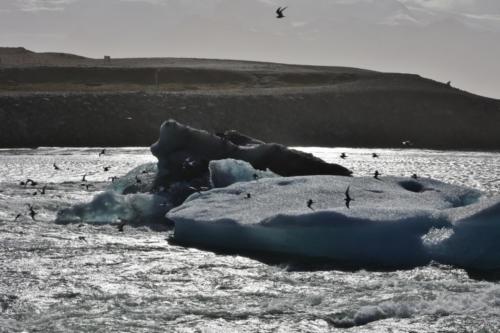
229	171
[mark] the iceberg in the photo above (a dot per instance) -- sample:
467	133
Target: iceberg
392	223
232	193
184	154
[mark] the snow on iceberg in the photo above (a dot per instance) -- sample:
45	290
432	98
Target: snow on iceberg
129	199
228	171
392	223
112	207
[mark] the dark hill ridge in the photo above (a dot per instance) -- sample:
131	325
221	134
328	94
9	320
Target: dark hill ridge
123	103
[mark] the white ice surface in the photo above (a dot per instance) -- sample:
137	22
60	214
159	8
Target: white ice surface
392	222
229	171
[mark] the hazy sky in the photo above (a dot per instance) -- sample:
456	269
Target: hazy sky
457	40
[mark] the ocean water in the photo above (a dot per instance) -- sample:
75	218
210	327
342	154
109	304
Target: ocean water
88	278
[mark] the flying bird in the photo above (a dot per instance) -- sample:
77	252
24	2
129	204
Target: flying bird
279	12
32	212
347	198
309	204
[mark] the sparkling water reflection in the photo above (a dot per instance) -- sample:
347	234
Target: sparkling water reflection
86	278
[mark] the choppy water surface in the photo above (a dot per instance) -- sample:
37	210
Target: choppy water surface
87	278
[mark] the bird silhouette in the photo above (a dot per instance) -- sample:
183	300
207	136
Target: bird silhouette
343	156
18	216
28	182
374	155
310	203
414	176
347	198
56	167
32	212
84	178
106	168
279	12
102	152
248	196
376	174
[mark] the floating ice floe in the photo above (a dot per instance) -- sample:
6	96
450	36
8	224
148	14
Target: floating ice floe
186	165
231	195
392	222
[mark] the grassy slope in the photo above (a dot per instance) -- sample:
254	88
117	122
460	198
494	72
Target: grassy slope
89	102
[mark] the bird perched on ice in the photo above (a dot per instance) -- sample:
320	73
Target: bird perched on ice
279	12
106	168
343	156
374	155
84	178
347	198
102	152
56	167
414	176
376	174
309	204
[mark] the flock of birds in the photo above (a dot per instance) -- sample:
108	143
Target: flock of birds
32	213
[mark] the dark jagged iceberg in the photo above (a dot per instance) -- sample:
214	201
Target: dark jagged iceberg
184	153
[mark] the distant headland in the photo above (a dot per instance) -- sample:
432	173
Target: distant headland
58	99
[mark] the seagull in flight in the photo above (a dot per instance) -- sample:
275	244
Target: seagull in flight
279	12
310	203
